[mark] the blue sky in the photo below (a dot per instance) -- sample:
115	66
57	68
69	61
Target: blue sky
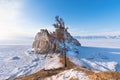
81	16
24	18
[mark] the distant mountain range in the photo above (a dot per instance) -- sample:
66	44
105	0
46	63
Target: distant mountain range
98	37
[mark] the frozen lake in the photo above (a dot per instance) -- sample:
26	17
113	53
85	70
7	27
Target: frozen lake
105	43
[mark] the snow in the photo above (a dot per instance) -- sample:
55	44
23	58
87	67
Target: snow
95	58
100	65
53	63
17	60
69	75
105	43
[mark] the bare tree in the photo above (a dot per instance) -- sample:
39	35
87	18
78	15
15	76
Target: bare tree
65	59
60	34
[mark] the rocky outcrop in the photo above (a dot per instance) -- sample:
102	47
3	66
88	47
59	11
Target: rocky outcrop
46	42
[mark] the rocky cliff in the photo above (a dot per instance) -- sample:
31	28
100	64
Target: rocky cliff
46	42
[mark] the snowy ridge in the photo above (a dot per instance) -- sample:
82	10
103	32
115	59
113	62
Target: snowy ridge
69	75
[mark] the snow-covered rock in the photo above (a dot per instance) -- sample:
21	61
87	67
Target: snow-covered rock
69	75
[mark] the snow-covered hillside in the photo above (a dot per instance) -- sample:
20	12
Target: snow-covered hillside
16	60
97	59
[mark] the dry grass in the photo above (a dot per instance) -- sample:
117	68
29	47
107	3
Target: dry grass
105	76
73	78
69	63
109	75
44	74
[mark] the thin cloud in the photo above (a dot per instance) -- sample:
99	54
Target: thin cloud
12	23
9	13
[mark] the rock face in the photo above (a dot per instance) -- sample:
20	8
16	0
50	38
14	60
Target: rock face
46	42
